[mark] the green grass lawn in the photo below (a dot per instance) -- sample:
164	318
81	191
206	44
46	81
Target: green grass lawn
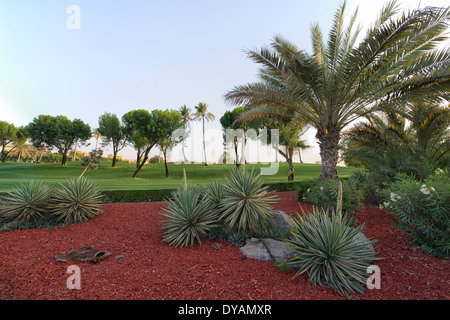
152	176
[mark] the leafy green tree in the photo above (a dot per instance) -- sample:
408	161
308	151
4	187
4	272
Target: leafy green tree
112	131
146	129
231	120
58	132
67	133
396	62
8	133
172	138
42	132
288	140
202	114
135	122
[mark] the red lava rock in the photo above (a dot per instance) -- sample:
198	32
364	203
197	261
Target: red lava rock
152	270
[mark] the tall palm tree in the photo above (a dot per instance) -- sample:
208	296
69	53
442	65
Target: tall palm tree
201	114
395	63
186	117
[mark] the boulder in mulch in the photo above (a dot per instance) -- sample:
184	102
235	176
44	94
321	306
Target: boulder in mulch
267	249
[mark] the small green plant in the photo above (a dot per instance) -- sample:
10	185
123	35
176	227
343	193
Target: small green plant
190	216
217	246
324	241
422	209
91	162
325	195
25	206
78	201
283	265
246	203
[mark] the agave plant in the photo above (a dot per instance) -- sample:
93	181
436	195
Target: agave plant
246	203
214	193
78	201
190	214
25	205
327	248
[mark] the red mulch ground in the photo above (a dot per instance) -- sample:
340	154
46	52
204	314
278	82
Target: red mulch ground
152	270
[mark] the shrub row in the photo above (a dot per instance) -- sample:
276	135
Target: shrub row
120	196
123	196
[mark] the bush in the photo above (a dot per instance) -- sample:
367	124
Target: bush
26	206
77	202
289	185
119	196
325	195
422	209
326	246
214	194
156	159
190	215
246	203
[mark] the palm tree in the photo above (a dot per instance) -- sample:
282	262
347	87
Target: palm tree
20	146
97	136
186	117
388	144
395	63
202	114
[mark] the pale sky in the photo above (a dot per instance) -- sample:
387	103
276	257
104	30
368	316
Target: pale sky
148	54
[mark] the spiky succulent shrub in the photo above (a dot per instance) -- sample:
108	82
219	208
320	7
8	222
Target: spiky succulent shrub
78	201
246	203
190	216
325	244
25	206
214	193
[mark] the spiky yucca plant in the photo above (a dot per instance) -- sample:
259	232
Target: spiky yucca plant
214	193
78	201
246	203
190	215
327	247
25	205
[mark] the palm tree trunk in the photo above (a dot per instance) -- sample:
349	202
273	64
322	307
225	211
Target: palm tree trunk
75	152
329	153
300	155
182	149
238	163
204	145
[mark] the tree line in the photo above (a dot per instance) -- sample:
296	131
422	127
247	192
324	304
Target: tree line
143	130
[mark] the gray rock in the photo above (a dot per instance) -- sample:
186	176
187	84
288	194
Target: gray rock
267	249
255	249
281	221
360	237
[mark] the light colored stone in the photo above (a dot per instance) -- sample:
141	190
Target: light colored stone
281	221
267	249
255	249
